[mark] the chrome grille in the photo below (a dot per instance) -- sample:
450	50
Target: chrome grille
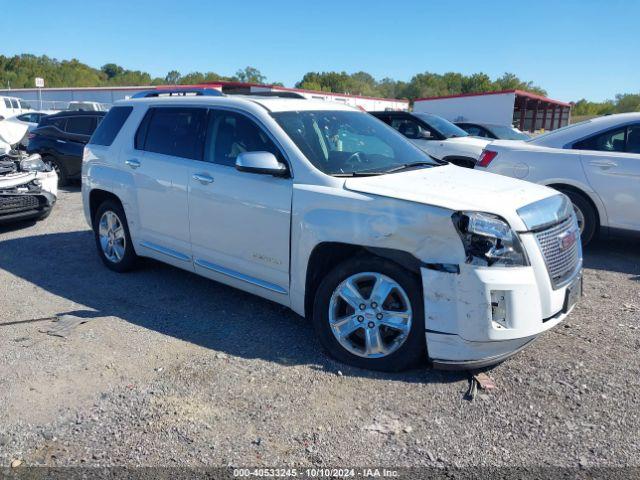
561	262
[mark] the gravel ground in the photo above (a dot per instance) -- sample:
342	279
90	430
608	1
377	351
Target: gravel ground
172	369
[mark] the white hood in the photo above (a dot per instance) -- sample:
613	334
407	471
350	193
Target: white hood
12	132
456	188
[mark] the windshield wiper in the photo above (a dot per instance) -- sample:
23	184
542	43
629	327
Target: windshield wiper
412	165
357	174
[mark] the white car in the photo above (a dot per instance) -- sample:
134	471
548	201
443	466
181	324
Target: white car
438	137
30	119
393	255
596	163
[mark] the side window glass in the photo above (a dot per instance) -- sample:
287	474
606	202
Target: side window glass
408	128
15	103
633	139
611	141
475	131
230	134
81	125
175	131
59	123
7	103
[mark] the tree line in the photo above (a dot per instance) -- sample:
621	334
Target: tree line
19	71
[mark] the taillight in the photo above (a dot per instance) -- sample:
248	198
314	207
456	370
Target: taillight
486	157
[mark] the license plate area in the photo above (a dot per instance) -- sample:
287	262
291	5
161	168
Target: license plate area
573	294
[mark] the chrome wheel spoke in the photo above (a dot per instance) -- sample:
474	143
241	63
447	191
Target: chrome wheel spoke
396	320
350	294
345	326
381	290
373	341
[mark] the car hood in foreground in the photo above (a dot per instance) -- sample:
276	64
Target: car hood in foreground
456	188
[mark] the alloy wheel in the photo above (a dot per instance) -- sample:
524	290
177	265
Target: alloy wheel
112	237
370	315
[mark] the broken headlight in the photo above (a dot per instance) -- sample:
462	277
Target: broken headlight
489	240
33	164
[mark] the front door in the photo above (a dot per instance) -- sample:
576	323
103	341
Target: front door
240	222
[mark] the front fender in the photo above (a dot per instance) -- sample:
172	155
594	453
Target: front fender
329	214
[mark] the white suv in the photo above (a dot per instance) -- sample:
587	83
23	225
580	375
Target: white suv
324	209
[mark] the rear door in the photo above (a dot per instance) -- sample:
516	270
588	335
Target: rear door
78	130
239	221
168	142
611	161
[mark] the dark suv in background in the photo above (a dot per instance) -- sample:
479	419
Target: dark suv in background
60	140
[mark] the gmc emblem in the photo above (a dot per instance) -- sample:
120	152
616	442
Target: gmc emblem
567	239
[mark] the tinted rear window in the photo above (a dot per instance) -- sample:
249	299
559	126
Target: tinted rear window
81	125
173	131
106	132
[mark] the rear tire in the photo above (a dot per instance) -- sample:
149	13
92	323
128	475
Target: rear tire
387	334
587	216
113	241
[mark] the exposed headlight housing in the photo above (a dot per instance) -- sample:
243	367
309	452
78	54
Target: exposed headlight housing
489	240
33	164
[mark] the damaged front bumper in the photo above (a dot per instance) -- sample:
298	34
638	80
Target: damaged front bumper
27	196
481	316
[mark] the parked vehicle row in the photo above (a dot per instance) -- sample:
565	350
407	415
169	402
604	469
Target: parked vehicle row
438	137
328	211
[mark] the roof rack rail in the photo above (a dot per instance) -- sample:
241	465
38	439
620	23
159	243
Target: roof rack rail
273	94
179	92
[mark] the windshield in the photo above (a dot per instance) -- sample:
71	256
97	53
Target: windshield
349	142
508	133
442	126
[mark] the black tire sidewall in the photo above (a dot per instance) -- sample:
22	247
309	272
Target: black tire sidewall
129	259
589	214
414	348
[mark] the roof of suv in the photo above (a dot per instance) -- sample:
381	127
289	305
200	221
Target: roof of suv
272	104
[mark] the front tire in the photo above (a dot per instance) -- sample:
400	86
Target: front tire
112	237
587	217
368	312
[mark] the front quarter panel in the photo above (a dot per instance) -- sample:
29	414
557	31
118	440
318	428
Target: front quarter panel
329	214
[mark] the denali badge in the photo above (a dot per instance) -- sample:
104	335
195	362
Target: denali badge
566	240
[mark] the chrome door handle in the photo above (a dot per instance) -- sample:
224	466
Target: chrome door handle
60	141
133	163
603	163
202	178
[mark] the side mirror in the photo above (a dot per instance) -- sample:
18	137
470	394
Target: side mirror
265	163
424	135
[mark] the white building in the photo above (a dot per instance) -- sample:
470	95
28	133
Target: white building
524	110
59	98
